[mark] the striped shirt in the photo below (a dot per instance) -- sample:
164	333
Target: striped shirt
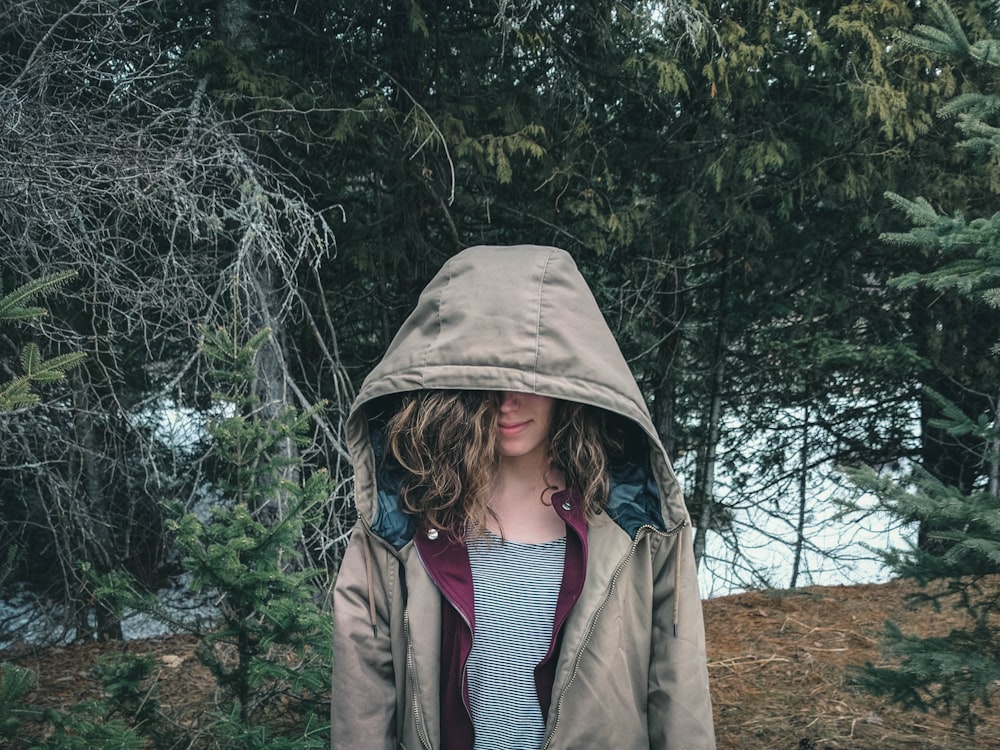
516	590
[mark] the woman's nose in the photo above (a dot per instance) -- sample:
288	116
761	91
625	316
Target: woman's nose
509	400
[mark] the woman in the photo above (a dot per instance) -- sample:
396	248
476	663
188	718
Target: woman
521	574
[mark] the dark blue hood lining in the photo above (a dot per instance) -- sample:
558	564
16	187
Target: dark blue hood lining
634	499
390	522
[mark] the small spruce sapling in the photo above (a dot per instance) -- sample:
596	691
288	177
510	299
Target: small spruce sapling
271	649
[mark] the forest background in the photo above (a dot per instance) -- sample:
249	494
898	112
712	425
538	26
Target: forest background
241	200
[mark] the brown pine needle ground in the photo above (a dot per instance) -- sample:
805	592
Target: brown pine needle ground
778	662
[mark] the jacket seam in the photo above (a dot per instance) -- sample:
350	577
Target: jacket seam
538	319
437	319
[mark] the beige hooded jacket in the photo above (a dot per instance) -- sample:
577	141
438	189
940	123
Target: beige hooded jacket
632	669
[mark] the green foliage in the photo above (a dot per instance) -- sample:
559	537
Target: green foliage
715	168
966	526
956	674
113	722
497	151
122	720
232	364
947	39
309	733
272	642
973	110
116	592
16	306
84	728
125	680
948	675
15	683
968	251
269	650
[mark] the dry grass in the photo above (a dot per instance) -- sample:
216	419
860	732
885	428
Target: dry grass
778	662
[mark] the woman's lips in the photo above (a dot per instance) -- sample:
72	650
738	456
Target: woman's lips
509	430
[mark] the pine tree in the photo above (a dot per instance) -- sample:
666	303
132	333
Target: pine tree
957	673
270	651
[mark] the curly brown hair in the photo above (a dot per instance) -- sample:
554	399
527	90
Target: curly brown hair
446	444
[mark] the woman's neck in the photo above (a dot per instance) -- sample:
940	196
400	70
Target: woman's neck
522	502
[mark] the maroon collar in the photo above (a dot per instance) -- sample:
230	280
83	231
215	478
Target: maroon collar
446	559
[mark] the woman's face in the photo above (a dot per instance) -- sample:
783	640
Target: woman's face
525	423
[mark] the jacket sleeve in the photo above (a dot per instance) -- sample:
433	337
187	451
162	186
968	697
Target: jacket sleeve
679	704
363	695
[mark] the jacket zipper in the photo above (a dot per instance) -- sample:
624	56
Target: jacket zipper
639	535
424	740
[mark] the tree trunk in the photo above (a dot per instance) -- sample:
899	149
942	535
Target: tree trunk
956	342
707	458
993	453
264	290
800	527
671	317
704	489
97	540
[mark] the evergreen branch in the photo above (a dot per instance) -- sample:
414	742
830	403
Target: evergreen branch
946	18
957	422
13	305
986	549
931	39
976	105
982	137
51	370
16	394
22	313
38	370
974	255
30	357
986	51
980	145
919	210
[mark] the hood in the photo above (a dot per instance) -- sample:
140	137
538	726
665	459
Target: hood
515	318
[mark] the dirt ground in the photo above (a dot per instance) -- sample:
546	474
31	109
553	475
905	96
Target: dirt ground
778	664
777	660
